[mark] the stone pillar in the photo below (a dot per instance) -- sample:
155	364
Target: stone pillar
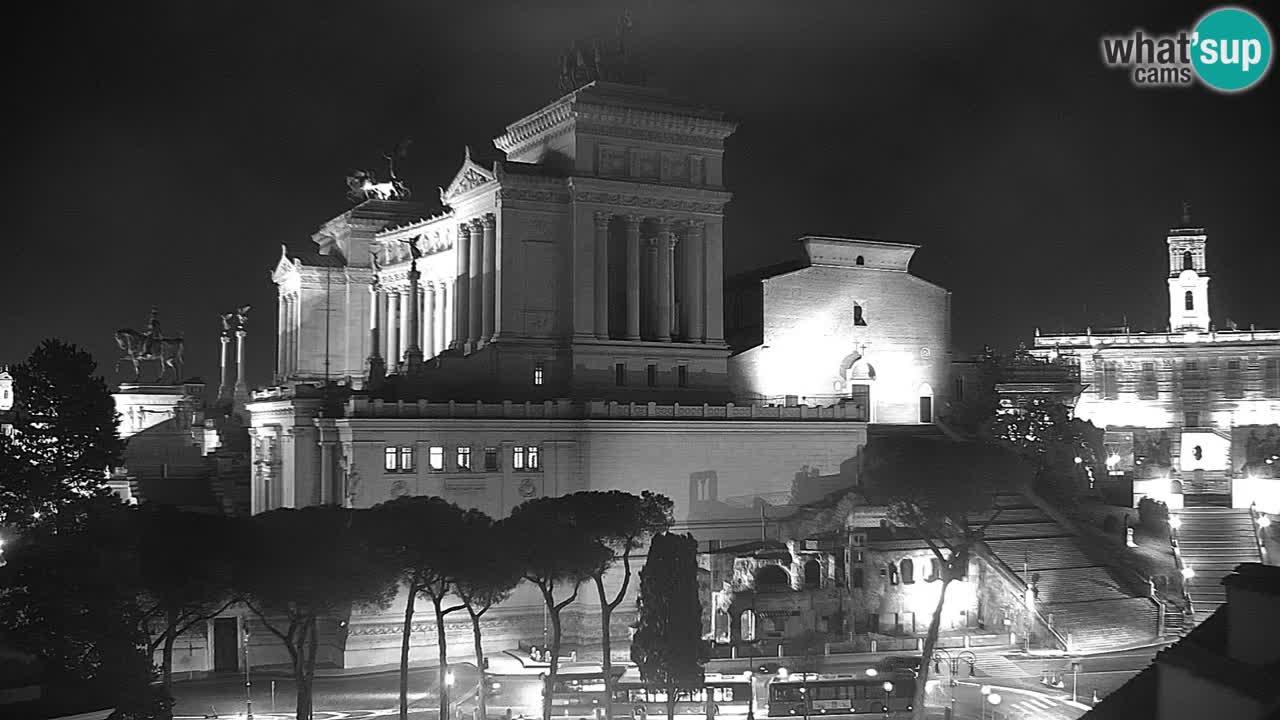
224	387
633	276
393	328
666	244
429	320
412	320
489	279
714	288
377	367
444	315
291	359
651	292
242	387
692	312
327	462
461	288
282	337
602	274
475	303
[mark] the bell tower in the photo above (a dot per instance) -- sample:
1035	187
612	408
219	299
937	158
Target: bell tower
1188	277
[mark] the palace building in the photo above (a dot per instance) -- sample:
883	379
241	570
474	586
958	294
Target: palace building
560	325
1191	411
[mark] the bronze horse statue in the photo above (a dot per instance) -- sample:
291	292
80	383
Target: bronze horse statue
139	347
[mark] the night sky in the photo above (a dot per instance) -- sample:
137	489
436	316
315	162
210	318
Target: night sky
160	152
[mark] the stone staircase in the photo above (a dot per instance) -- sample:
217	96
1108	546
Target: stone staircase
1077	594
1213	541
1209	487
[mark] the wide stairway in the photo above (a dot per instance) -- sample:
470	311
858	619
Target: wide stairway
1206	488
1213	541
1075	592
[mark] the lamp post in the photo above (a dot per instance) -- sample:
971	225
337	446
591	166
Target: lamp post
248	687
982	704
994	700
446	691
888	688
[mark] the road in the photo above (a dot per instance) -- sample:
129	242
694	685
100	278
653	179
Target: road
344	696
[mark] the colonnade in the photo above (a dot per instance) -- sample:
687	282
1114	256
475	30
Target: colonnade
392	319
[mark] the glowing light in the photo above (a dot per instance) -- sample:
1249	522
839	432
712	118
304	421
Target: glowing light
782	673
994	698
1175	522
1113	460
448	678
1264	521
985	689
872	672
1079	460
888	686
1188	572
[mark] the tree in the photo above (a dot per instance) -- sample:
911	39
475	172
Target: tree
312	563
185	575
621	522
554	550
1046	435
490	572
65	435
668	645
934	486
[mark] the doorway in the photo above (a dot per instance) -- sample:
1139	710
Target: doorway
226	651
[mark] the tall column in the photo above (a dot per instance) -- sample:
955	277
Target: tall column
242	387
633	276
393	328
291	361
475	282
651	292
714	288
413	321
224	388
377	366
667	241
461	288
489	284
602	274
403	325
692	310
444	316
282	343
429	320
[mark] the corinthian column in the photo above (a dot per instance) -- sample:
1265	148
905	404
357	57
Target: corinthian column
633	276
224	387
666	246
488	282
694	302
461	287
393	328
475	314
412	321
651	293
602	274
429	320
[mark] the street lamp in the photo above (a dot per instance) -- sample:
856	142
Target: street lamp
982	704
1175	522
888	688
994	700
1264	521
1188	572
248	686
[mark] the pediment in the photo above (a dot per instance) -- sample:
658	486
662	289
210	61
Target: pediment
469	177
285	266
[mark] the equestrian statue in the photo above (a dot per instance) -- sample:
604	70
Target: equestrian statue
150	346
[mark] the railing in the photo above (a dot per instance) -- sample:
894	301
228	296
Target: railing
1020	583
563	409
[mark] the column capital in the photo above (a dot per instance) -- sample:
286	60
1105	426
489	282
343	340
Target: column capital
666	223
464	228
489	220
651	243
632	221
602	219
477	225
694	224
672	239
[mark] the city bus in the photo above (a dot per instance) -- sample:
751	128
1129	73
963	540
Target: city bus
887	691
578	692
733	697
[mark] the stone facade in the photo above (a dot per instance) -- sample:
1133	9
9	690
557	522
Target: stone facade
1183	402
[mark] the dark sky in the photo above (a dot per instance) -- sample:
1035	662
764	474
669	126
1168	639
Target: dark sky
160	152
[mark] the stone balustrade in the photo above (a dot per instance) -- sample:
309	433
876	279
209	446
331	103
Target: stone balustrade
362	407
1174	338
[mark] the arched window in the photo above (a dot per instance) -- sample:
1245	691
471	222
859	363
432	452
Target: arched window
812	574
935	570
772	577
908	571
859	261
858	319
1191	303
1188	262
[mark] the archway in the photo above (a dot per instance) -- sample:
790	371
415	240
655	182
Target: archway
772	577
812	574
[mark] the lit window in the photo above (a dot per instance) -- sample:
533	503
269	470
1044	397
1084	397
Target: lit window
398	458
1190	302
651	375
464	458
491	458
525	457
537	373
389	459
620	374
406	459
435	458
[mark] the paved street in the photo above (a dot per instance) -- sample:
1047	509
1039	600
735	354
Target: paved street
345	696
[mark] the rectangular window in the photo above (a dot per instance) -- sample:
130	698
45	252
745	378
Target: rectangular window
926	409
651	375
620	374
390	459
682	375
1233	364
525	457
1110	384
406	459
491	458
534	457
398	458
959	390
464	458
1191	419
537	373
1148	388
435	458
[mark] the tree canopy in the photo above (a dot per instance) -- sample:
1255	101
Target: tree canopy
668	646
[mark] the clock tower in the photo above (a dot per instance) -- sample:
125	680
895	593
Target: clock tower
1188	277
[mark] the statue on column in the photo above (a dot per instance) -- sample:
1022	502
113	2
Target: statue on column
138	347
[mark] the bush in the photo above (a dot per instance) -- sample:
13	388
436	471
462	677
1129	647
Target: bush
1153	514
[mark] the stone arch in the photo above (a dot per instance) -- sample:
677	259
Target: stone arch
1175	487
908	570
772	577
812	574
1188	261
860	260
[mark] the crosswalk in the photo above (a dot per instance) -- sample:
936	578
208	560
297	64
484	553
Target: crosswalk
1032	706
997	666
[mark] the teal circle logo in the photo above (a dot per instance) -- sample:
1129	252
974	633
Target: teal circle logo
1231	49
